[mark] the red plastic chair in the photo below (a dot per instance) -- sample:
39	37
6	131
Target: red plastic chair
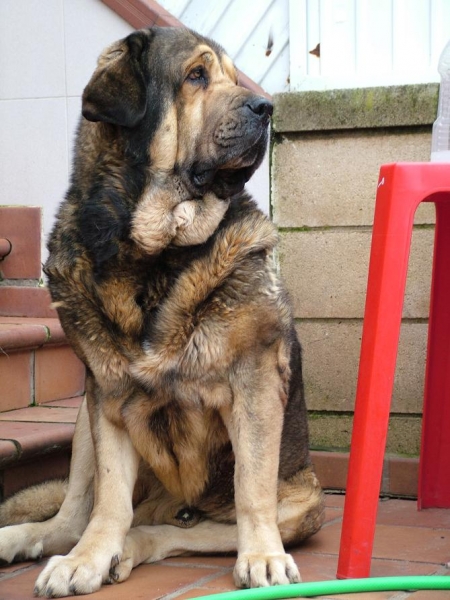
401	188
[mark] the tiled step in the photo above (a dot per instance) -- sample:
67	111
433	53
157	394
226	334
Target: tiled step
36	364
35	443
42	382
41	379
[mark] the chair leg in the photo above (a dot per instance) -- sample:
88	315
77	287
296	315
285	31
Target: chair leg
434	479
391	240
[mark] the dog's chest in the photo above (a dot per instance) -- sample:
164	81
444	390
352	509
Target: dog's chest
177	443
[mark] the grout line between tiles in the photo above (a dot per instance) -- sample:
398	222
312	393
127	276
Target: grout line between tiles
332	522
32	378
20	571
189	565
196	584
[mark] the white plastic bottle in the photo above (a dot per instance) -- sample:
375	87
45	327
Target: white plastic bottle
440	139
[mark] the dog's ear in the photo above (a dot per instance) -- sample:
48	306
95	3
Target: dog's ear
117	91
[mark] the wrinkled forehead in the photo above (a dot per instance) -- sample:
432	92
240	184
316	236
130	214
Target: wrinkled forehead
183	48
212	59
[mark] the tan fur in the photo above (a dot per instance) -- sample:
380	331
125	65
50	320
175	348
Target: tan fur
163	216
37	503
193	434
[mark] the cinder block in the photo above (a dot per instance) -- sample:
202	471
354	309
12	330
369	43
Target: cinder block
334	432
330	431
330	178
331	351
326	272
360	108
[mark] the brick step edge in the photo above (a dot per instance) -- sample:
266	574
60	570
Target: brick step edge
400	475
26	433
19	333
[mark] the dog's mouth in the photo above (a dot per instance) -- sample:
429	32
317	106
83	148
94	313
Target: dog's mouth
227	177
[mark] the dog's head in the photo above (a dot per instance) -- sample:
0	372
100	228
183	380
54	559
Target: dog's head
174	98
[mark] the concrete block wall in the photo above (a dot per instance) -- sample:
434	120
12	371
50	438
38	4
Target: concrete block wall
326	153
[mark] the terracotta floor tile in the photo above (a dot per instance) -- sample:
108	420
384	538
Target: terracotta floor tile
19	586
58	374
203	561
195	593
221	583
331	514
14	568
402	543
41	414
404	512
396	568
146	582
412	543
434	595
335	500
399	550
15	375
150	582
326	541
74	402
431	595
26	302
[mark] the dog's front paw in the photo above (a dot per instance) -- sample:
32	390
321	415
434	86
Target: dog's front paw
121	567
70	576
184	213
198	219
261	570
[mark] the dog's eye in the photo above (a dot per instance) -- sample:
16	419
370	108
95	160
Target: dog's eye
198	75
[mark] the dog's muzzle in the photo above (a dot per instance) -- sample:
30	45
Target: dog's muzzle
240	138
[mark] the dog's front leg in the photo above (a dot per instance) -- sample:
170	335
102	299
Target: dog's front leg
255	423
84	569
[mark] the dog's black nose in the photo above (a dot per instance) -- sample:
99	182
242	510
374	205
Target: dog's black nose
260	106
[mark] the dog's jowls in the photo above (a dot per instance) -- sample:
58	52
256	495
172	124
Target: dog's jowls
193	434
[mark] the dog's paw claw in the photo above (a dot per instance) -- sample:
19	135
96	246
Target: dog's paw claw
260	570
121	571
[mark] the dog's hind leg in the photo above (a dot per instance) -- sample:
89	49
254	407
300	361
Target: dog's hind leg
84	569
60	533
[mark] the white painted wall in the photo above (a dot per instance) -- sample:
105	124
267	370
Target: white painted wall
366	43
48	50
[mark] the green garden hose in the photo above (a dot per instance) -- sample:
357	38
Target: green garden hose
342	586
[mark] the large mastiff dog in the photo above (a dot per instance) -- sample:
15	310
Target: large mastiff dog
193	434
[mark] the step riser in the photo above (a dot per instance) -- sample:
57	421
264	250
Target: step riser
36	376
